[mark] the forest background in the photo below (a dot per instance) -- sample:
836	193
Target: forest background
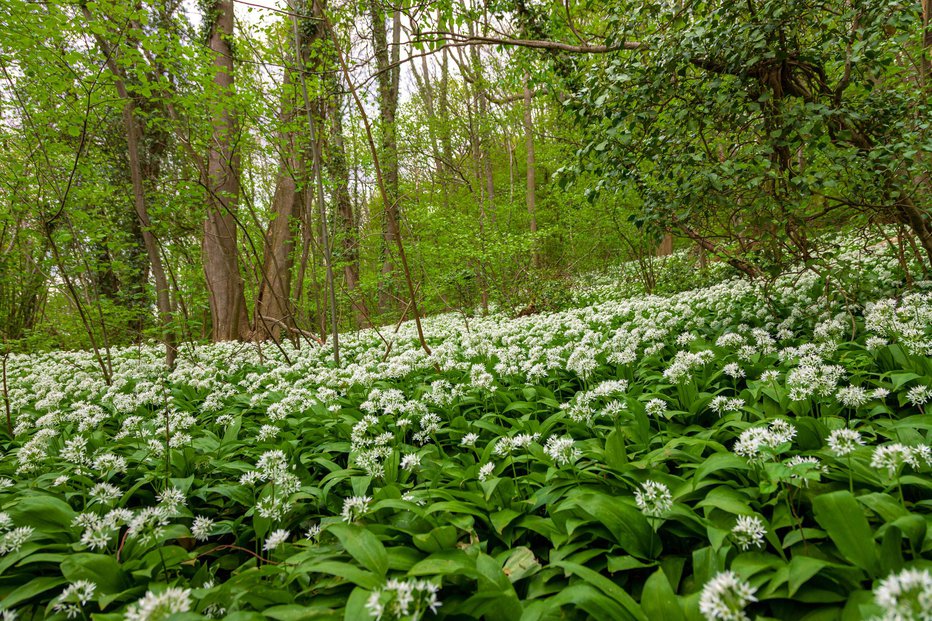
234	170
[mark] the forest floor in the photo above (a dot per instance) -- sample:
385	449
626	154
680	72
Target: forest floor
736	449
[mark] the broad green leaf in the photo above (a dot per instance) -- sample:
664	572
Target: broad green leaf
101	569
843	519
34	587
658	599
604	584
42	512
363	546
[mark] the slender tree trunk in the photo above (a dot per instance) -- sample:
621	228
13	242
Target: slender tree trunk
273	302
346	221
388	76
531	164
380	182
446	146
220	255
316	140
427	95
133	135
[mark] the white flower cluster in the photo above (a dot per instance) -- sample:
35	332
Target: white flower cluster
403	599
272	468
153	606
725	598
74	598
562	451
757	443
653	499
905	596
12	538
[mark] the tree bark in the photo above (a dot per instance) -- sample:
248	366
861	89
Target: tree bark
273	302
531	164
220	255
316	141
133	135
346	220
388	77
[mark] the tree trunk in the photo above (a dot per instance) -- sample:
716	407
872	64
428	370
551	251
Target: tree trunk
221	266
388	76
531	164
346	221
273	302
446	147
133	135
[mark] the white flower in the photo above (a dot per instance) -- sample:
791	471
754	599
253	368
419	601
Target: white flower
844	441
153	606
105	493
148	525
486	471
13	540
756	442
355	507
852	396
733	370
171	499
313	532
73	599
875	342
410	461
469	439
892	457
655	407
918	395
562	450
725	597
201	528
749	531
906	596
267	432
771	375
653	499
403	599
504	446
722	404
275	539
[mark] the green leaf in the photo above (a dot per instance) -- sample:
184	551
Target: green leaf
448	563
100	569
521	564
604	584
496	597
42	512
501	519
802	568
361	577
843	519
658	599
627	524
363	546
356	606
615	453
438	539
578	596
29	590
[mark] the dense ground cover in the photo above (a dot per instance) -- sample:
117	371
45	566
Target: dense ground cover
737	451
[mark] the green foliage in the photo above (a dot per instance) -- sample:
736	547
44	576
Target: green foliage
613	460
